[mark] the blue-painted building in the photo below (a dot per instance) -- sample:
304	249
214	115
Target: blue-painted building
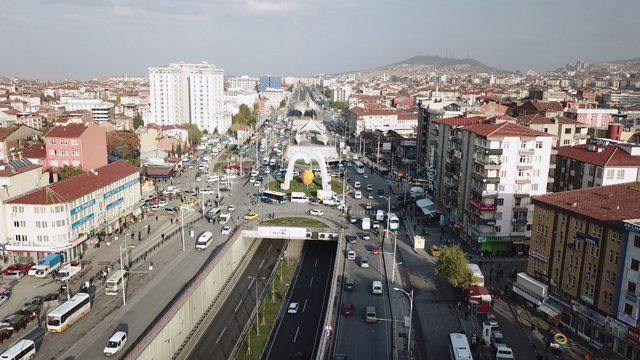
270	81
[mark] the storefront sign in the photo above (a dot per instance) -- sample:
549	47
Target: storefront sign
538	256
114	203
588	313
587	238
82	221
282	232
86	205
120	188
616	327
632	227
633	336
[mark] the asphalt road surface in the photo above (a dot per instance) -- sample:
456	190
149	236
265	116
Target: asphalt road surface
223	332
297	336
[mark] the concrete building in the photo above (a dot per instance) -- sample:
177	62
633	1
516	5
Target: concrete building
383	119
14	138
243	82
485	176
100	110
270	82
233	98
598	163
579	252
61	217
341	93
568	132
593	117
424	136
188	93
618	99
76	145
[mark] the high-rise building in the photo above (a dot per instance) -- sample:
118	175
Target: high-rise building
270	81
188	93
243	82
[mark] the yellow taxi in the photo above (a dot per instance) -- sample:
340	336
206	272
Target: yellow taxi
251	216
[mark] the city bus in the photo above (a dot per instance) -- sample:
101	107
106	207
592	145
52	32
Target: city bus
359	167
459	347
23	349
394	221
273	197
114	283
66	314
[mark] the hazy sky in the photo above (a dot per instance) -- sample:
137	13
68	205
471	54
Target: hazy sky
53	39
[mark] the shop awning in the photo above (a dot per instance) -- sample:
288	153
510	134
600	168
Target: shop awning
427	206
550	307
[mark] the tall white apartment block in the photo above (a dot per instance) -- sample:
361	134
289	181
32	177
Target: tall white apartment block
243	82
188	93
342	93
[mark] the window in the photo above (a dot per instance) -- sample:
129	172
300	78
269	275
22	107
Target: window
497	229
635	264
525	159
52	152
501	187
64	152
20	223
499	201
21	237
536	172
620	174
539	144
534	187
631	287
52	141
75	152
610	174
566	142
523	144
599	173
74	142
498	216
567	130
63	141
636	241
628	309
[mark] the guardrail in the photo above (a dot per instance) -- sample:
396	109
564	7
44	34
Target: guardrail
328	329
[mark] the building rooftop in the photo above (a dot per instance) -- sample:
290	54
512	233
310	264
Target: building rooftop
599	155
504	129
77	186
15	167
606	203
68	131
533	119
460	121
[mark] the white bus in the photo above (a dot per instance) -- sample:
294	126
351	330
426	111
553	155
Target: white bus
394	221
204	240
66	314
459	347
299	197
114	283
359	167
23	349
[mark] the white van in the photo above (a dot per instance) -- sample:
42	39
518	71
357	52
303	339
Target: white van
376	287
204	240
224	218
23	349
380	215
357	194
299	197
366	223
416	192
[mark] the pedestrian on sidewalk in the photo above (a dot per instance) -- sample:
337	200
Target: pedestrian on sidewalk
148	229
39	320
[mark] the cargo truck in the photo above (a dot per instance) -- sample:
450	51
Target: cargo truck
46	265
69	270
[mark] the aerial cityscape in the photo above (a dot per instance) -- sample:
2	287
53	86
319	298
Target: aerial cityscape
275	180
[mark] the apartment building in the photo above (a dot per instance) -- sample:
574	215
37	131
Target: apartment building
243	82
598	163
360	119
425	118
102	111
593	117
568	132
578	251
342	93
484	177
61	217
14	138
76	145
188	93
268	81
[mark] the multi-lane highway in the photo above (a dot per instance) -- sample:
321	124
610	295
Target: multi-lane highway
224	331
297	336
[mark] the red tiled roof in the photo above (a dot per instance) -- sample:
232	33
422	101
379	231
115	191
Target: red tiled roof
566	121
68	131
6	131
533	119
77	186
11	168
34	151
606	203
504	129
611	155
459	121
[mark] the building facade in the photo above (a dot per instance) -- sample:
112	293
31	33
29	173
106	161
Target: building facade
61	217
76	145
270	82
593	117
243	82
101	111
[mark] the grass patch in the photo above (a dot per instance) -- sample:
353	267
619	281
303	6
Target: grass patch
295	221
254	344
310	190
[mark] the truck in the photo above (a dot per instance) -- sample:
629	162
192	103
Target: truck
69	270
46	265
366	223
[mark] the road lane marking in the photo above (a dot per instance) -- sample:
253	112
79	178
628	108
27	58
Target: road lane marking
311	282
251	283
316	264
305	305
238	306
261	263
222	333
296	335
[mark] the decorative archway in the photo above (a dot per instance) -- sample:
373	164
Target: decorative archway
307	157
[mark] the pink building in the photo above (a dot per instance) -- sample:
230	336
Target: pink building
594	117
83	146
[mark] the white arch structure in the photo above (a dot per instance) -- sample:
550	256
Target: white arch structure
307	157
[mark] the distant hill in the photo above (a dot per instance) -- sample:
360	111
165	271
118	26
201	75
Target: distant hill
634	61
473	64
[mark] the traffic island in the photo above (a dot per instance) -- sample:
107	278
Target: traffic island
295	222
257	337
297	186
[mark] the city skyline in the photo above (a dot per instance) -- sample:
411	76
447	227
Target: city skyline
91	39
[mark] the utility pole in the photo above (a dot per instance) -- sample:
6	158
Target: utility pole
378	154
182	227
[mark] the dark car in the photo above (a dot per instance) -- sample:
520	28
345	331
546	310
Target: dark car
380	191
483	353
351	239
16	321
347	309
349	284
5	333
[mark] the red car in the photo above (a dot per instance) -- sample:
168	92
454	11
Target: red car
347	309
376	250
18	269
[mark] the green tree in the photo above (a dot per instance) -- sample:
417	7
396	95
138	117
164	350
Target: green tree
124	145
179	150
340	105
328	93
67	171
195	135
452	265
137	121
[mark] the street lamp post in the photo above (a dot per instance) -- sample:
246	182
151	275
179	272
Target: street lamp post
182	227
256	278
410	296
124	278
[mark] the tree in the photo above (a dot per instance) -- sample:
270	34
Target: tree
283	102
452	265
328	93
245	116
67	171
124	145
179	150
340	105
137	121
195	135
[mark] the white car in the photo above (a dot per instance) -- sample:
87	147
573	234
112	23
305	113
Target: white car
213	178
163	203
364	262
296	173
3	299
115	343
316	212
293	308
351	255
254	173
231	208
226	230
266	170
356	185
357	194
252	179
366	176
206	191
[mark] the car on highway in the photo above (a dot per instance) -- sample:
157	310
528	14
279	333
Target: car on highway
293	308
351	255
115	343
231	208
376	224
376	287
356	185
257	183
369	187
364	262
351	239
316	212
349	284
226	230
366	237
370	314
198	178
370	196
347	309
365	176
357	194
369	206
353	219
250	216
254	173
206	191
252	179
376	250
380	191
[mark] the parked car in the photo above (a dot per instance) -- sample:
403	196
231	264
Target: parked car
251	216
376	250
16	321
349	284
435	250
316	212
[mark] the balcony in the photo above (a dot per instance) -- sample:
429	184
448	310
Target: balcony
482	206
450	183
523	181
435	132
455	139
481	221
580	136
519	221
552	166
526	151
488	163
485	178
486	151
